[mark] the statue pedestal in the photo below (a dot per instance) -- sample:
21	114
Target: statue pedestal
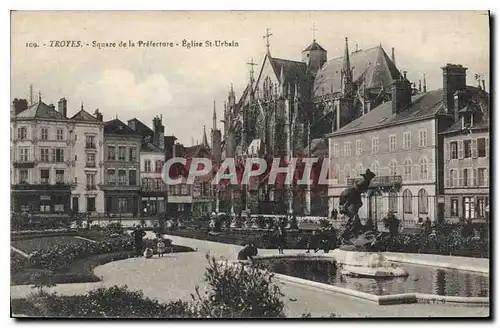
367	265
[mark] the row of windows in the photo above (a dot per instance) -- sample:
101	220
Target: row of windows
122	153
153	184
471	208
421	170
469	148
121	178
44	176
157	168
467	177
375	147
22	133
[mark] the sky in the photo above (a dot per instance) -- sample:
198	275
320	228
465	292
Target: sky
182	84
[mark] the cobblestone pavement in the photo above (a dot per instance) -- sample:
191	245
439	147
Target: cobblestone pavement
175	276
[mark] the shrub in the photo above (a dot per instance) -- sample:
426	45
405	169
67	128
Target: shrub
293	223
369	226
261	222
237	292
324	223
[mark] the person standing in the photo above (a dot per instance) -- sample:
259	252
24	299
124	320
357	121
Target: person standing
313	242
281	240
138	236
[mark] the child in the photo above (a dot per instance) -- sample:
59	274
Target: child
160	247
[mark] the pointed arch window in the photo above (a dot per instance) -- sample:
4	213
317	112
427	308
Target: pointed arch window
407	202
347	172
359	169
407	169
393	167
375	167
393	201
423	202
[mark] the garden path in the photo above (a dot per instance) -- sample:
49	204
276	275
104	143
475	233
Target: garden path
175	276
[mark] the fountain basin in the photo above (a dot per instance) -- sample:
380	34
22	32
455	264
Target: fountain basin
367	265
369	272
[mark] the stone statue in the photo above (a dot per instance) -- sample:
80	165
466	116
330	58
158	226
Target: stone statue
350	203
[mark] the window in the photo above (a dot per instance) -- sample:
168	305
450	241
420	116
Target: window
44	154
184	189
481	206
59	176
359	147
90	160
392	142
122	153
132	177
375	145
122	205
23	176
45	176
90	181
481	177
147	165
422	138
90	142
407	172
158	166
336	172
454	207
158	184
393	167
468	207
467	149
423	202
423	169
132	154
58	155
454	178
453	150
359	169
375	168
22	133
481	147
335	150
347	149
347	172
111	177
465	177
122	177
407	202
111	153
45	134
393	201
24	154
90	204
60	134
407	140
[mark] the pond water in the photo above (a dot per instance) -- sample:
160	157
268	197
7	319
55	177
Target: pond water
421	279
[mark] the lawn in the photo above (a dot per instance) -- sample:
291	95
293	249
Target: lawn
30	245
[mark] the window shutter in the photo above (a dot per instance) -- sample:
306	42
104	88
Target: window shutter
447	151
474	148
460	178
474	177
486	176
447	181
460	149
487	147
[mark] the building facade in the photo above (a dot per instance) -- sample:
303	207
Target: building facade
41	167
88	156
121	183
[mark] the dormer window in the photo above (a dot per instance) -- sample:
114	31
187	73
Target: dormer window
467	121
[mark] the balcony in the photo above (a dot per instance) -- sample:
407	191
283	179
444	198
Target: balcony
91	187
90	165
90	146
41	187
23	164
383	181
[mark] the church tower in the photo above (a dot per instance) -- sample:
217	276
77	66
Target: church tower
314	56
216	139
344	105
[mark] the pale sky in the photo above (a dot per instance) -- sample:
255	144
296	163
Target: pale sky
182	84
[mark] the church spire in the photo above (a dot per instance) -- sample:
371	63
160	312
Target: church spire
205	139
346	71
214	118
425	84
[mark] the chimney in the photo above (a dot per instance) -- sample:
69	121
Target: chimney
454	77
401	94
98	114
484	88
62	107
169	147
19	105
393	56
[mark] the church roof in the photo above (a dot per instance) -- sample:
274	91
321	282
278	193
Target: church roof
372	64
292	70
422	106
118	127
40	110
314	46
83	115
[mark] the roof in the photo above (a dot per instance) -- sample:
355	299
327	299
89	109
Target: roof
148	147
314	46
423	105
292	70
318	146
373	63
40	110
118	127
83	115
